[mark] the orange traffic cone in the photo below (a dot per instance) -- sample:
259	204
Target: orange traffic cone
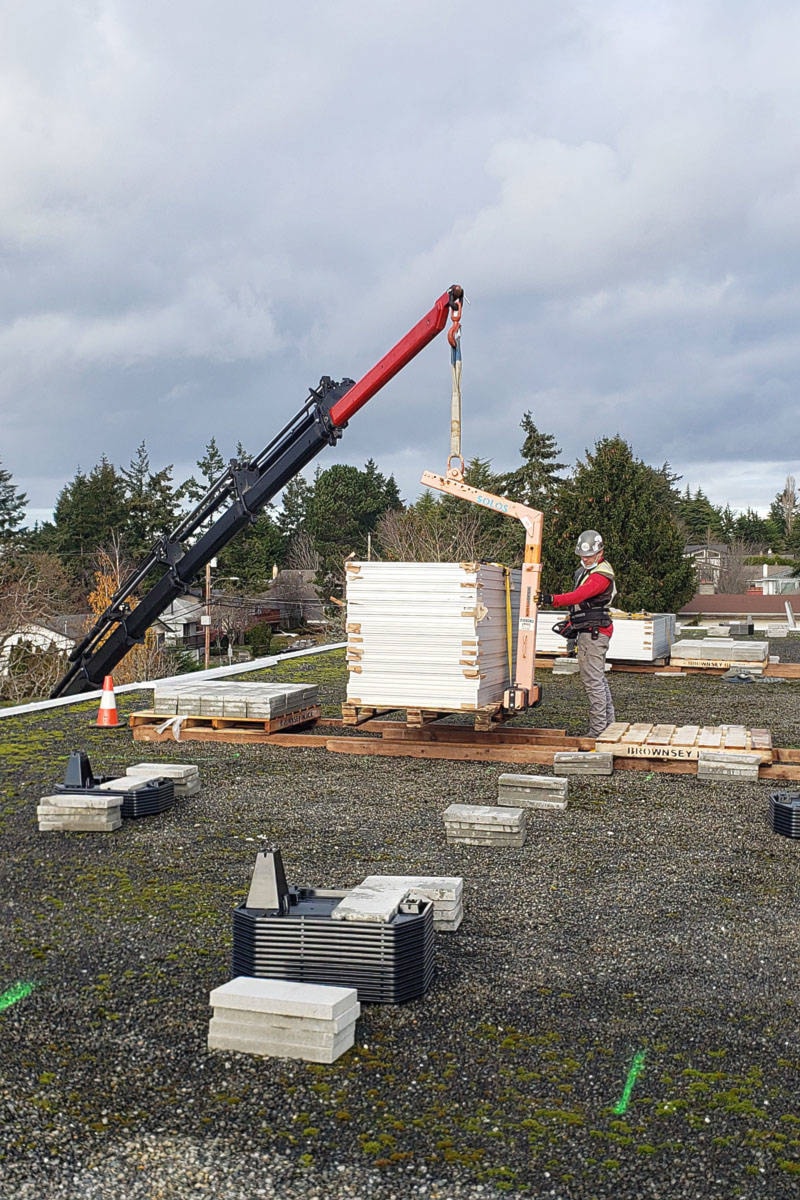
107	714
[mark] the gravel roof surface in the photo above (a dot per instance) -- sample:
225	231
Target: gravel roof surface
652	925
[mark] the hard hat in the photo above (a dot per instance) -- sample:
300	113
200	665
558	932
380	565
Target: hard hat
590	542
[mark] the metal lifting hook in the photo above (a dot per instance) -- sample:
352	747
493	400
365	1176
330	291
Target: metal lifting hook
454	332
454	339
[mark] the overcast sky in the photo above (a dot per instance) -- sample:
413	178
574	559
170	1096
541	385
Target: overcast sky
206	206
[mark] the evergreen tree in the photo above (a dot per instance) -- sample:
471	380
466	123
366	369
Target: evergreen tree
342	508
90	514
211	466
702	522
537	481
253	553
294	502
497	538
151	502
761	533
784	516
12	505
635	508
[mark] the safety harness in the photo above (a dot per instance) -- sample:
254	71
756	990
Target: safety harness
592	614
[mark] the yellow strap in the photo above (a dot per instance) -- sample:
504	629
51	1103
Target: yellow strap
509	632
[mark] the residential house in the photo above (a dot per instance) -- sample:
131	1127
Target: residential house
296	597
773	613
775	581
708	559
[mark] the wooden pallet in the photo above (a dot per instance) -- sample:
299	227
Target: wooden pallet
418	718
522	747
685	742
719	664
150	726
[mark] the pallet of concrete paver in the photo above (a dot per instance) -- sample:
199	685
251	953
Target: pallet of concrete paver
232	698
721	653
687	742
148	726
213	707
646	637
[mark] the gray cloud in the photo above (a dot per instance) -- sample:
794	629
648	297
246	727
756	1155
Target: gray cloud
204	210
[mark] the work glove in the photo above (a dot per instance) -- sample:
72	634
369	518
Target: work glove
545	599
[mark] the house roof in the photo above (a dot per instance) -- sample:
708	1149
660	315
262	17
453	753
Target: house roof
735	605
71	625
774	572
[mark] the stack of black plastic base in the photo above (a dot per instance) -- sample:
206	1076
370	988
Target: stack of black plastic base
152	796
148	797
387	962
784	811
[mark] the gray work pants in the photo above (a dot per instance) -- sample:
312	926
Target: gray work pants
592	666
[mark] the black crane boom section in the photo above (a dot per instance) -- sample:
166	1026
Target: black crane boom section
247	490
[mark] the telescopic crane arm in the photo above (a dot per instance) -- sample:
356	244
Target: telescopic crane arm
238	496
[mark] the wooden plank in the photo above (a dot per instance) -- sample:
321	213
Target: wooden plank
637	733
201	733
614	732
660	735
685	735
776	772
461	733
668	766
783	670
786	755
648	752
462	752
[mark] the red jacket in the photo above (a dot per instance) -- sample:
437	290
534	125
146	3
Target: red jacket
592	586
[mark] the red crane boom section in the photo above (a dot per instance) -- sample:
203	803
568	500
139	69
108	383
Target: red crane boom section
407	348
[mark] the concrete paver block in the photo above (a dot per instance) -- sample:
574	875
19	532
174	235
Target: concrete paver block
284	996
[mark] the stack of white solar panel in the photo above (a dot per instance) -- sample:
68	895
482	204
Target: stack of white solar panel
635	639
430	635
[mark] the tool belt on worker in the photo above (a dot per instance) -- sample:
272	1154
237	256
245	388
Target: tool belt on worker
583	622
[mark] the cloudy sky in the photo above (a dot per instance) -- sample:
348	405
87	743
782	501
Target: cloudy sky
205	207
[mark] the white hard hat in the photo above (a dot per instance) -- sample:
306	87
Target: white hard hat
590	542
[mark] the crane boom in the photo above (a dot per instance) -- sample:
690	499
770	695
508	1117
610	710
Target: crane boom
242	492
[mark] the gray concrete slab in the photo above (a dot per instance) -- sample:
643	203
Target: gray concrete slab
284	996
579	762
270	1049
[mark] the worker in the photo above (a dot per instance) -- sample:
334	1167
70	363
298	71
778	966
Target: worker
590	624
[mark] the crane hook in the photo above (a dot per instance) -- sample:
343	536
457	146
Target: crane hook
454	332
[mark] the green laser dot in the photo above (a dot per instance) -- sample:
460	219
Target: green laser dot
18	991
636	1068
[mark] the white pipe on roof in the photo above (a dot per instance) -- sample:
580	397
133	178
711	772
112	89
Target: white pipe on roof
257	664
